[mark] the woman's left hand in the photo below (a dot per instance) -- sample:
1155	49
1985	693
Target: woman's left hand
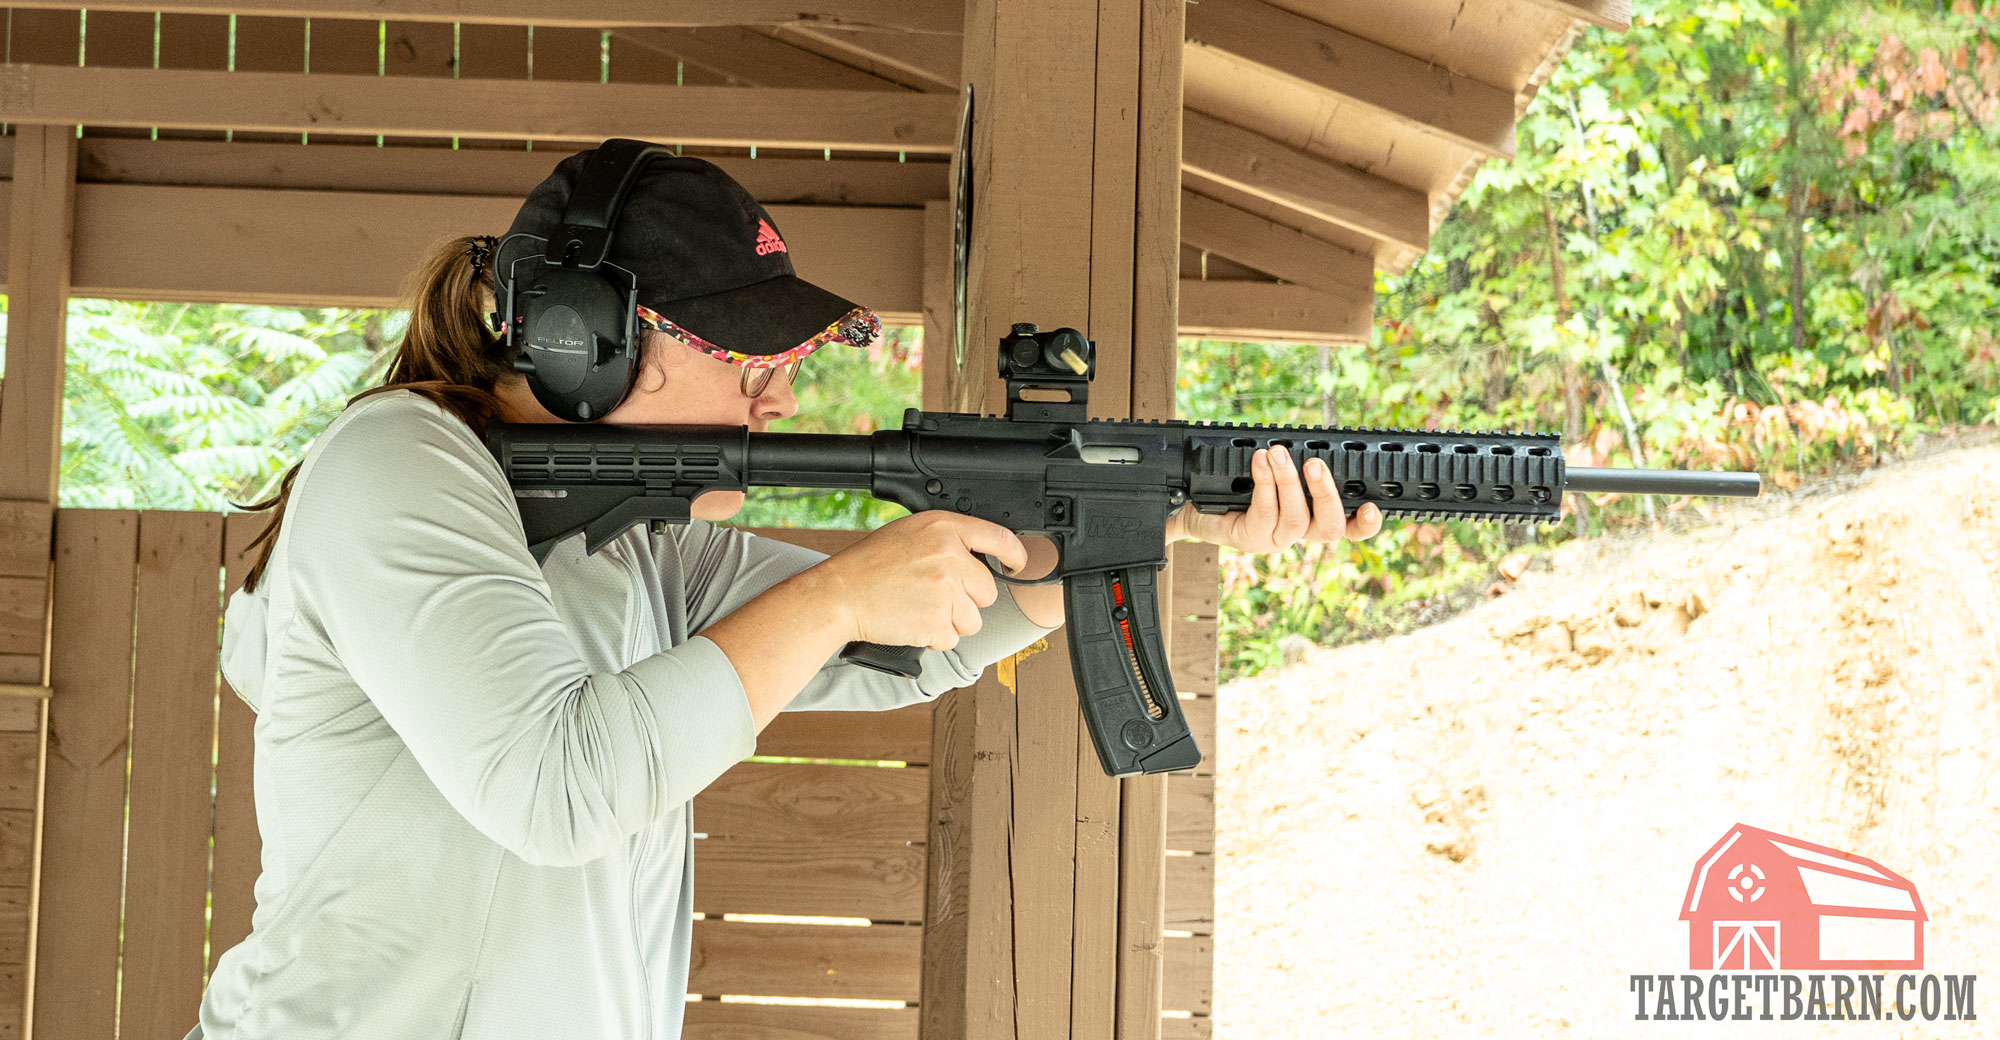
1279	516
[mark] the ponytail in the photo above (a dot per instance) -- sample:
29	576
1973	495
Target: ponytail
448	355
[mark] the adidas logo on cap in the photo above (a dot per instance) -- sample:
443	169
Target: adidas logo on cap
768	241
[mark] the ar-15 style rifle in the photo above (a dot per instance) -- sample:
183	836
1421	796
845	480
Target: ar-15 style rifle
1101	490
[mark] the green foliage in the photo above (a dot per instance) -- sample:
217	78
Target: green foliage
194	406
1743	235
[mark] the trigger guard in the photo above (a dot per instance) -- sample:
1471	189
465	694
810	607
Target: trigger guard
1053	577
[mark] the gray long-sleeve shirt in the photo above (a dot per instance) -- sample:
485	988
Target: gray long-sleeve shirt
473	774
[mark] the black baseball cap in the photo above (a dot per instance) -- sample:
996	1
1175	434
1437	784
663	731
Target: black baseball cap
708	258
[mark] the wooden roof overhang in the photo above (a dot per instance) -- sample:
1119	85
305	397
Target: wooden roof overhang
1323	139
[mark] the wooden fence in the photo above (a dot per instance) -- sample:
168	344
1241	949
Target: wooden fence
141	721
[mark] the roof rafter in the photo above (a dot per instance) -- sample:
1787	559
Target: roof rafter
1615	15
921	62
753	58
1275	249
1357	71
899	15
1334	192
1270	312
283	102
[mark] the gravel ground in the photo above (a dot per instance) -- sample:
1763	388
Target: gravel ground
1485	827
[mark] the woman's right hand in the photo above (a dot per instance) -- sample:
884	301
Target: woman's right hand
916	582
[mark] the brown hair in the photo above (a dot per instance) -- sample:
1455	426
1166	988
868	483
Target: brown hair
448	354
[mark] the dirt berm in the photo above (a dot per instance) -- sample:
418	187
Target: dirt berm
1486	827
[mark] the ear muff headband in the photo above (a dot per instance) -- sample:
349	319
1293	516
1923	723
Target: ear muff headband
569	311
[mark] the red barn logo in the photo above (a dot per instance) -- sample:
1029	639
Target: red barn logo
1761	901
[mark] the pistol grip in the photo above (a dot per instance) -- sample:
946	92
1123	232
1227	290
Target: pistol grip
1119	660
904	661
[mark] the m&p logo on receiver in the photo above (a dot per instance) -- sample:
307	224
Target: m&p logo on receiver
1762	901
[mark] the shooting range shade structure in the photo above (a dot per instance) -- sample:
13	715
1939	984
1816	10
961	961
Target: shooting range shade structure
1662	482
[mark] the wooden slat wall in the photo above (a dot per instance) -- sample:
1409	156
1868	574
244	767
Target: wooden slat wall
135	626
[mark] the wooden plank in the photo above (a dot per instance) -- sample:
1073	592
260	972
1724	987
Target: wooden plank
420	49
583	113
903	15
17	846
741	1020
1615	15
22	714
1197	579
420	171
173	731
369	242
940	304
1192	658
876	962
14	900
570	55
22	613
735	1020
41	215
828	542
914	60
20	771
903	735
26	527
238	847
1047	918
881	881
1190	816
44	36
1115	174
1317	187
1319	58
1157	249
1270	312
121	39
1189	983
1200	713
744	56
18	691
21	669
1276	249
771	802
1186	1027
1191	894
263	44
83	838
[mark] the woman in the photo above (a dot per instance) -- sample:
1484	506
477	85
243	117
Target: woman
473	774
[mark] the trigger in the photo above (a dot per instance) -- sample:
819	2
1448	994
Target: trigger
1000	571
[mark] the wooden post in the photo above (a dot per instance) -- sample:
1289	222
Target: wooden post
1046	879
38	256
37	306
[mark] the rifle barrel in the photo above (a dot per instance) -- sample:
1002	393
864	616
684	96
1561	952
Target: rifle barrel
1662	482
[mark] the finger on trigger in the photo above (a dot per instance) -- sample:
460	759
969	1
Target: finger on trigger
995	541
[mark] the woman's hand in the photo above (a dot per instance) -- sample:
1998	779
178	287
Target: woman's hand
916	582
1279	516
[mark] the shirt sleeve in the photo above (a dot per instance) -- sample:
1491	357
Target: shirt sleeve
407	552
727	567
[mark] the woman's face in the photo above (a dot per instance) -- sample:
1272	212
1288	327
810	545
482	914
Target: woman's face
679	386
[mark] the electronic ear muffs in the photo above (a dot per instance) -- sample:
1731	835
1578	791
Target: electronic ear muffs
570	312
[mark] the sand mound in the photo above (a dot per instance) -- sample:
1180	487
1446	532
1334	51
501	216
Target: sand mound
1486	826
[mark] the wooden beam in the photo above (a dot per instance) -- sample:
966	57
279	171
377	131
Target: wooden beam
752	58
1388	83
1222	152
1275	249
546	111
38	264
362	245
1615	15
1269	312
920	62
471	171
903	15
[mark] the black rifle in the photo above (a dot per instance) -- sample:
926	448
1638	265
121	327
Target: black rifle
1101	490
